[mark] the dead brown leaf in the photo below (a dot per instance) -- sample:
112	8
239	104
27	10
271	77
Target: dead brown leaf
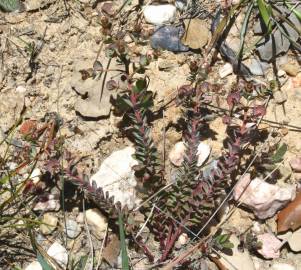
196	34
290	216
112	250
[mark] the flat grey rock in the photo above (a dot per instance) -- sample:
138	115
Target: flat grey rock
277	43
256	67
168	38
94	97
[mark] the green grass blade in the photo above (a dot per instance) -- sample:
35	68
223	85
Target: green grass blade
244	29
81	264
124	255
43	262
265	13
283	32
293	9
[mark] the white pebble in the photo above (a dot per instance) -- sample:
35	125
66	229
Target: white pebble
34	266
21	89
59	253
176	155
160	14
282	266
117	177
203	153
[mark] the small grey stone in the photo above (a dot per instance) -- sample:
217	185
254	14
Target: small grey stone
40	239
256	67
181	4
277	43
52	47
168	38
280	97
72	228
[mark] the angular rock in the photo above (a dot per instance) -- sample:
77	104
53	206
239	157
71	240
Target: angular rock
58	253
203	153
176	155
35	175
271	245
94	100
291	69
256	67
277	43
116	176
168	38
262	198
159	14
91	106
97	221
49	223
33	4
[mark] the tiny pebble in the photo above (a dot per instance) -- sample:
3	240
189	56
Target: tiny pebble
282	266
72	228
281	73
225	70
21	89
296	164
291	69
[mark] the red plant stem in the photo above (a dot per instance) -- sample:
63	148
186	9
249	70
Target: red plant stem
145	249
170	243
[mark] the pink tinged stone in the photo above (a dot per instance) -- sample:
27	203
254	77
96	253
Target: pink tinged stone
262	198
296	164
271	245
51	204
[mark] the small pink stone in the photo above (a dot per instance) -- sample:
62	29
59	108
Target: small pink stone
296	164
271	245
